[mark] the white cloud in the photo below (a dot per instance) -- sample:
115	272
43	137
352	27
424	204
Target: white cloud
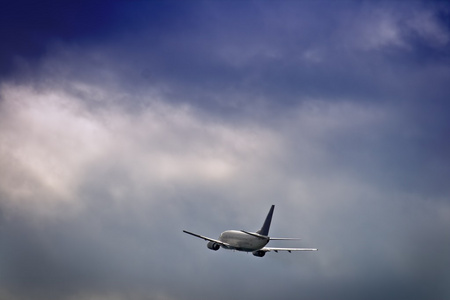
109	172
47	141
132	177
51	139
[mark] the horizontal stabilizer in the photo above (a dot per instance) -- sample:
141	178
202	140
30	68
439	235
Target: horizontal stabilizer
270	238
255	234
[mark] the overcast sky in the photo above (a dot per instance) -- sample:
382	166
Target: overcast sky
124	122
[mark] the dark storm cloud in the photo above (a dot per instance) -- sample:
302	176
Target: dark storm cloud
27	27
127	122
296	57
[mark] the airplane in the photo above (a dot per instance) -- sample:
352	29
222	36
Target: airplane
246	241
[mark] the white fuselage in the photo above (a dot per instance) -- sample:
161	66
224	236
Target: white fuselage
241	241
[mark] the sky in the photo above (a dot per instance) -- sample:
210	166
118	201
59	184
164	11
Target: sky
124	122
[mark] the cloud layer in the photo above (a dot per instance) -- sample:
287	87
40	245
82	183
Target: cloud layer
200	116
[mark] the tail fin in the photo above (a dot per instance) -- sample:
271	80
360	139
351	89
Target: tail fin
265	228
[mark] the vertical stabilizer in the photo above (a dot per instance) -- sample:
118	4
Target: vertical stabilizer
265	228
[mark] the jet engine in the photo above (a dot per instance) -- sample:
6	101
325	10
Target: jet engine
259	253
213	246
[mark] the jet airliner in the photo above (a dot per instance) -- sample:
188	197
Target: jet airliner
246	241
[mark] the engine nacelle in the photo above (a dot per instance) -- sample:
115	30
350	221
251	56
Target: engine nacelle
213	246
259	253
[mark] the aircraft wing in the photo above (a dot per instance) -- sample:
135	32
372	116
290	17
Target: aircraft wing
207	238
269	249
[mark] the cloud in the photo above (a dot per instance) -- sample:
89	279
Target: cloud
95	197
110	148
